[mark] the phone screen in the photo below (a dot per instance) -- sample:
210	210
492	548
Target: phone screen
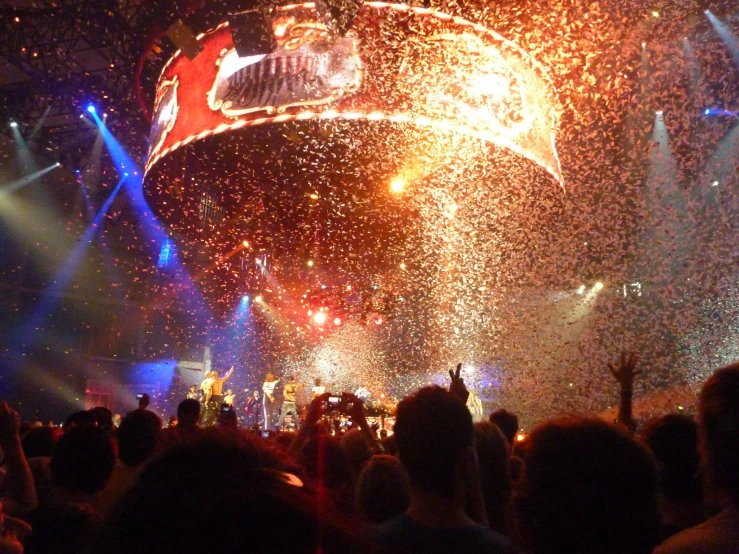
334	401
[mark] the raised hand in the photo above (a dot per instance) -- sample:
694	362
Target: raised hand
457	387
626	371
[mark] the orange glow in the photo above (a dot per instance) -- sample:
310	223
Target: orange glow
320	318
398	185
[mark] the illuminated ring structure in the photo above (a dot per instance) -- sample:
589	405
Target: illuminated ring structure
397	63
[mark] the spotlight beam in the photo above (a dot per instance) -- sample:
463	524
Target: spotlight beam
10	188
726	35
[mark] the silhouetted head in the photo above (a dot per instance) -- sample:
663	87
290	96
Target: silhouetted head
507	422
83	459
188	412
138	437
673	440
383	489
718	421
433	431
586	487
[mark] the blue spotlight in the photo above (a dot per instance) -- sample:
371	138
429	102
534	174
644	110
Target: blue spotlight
245	299
708	111
91	108
13	124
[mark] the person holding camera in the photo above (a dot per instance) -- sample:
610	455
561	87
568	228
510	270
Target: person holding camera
289	405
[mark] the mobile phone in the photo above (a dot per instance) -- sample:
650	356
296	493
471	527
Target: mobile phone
334	402
265	434
226	408
139	396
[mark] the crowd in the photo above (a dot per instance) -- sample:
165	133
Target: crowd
439	484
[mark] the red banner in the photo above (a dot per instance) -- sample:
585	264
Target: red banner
397	63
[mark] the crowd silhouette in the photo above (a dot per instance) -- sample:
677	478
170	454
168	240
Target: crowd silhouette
438	484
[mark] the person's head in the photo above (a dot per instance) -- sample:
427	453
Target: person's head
144	401
188	413
383	490
229	392
317	382
256	394
434	435
493	453
116	419
270	377
82	418
507	422
356	449
291	379
138	437
178	495
325	461
192	388
62	528
214	374
586	487
673	440
40	441
718	424
83	459
103	416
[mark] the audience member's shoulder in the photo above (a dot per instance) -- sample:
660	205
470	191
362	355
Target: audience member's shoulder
404	534
718	535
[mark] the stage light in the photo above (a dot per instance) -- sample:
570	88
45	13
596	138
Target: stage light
402	265
643	44
520	437
14	124
58	164
337	321
398	185
91	108
245	298
581	290
379	321
314	196
655	13
659	113
348	287
258	298
598	286
715	184
310	263
245	243
320	318
707	112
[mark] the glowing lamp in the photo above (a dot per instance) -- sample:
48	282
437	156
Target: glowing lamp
91	108
598	286
319	318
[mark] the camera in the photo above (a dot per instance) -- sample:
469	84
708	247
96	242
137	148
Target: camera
226	408
265	434
139	396
341	403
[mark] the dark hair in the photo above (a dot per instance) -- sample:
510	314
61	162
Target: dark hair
84	417
586	487
507	422
83	459
718	420
178	494
493	453
673	439
383	490
62	528
40	441
188	412
103	416
356	449
138	436
432	429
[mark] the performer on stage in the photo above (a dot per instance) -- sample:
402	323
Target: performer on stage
230	398
268	400
252	410
289	401
214	397
317	390
192	393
